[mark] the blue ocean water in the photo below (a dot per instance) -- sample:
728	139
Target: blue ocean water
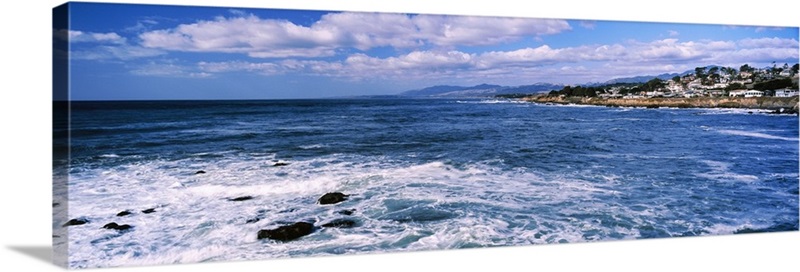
421	174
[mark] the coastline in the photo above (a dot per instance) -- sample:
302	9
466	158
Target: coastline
783	105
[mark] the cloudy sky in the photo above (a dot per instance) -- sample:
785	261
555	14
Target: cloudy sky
169	52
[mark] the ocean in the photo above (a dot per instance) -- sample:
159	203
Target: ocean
421	174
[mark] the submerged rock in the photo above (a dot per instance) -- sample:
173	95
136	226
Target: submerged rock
332	198
280	164
75	222
151	210
340	223
200	172
241	198
115	226
347	212
260	215
287	233
124	213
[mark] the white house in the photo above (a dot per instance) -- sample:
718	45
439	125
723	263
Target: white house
786	93
737	93
753	93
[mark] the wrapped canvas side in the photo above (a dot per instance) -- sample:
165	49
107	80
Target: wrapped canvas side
61	157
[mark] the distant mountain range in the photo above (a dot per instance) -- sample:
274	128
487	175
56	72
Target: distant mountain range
486	90
482	90
643	79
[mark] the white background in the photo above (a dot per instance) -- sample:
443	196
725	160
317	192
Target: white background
25	169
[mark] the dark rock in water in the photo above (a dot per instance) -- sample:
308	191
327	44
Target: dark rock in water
124	213
287	233
75	222
151	210
652	106
347	212
56	204
419	215
340	223
200	172
115	226
241	198
780	227
252	220
280	164
332	198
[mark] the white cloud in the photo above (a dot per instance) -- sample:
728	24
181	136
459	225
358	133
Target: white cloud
768	43
571	64
280	38
142	25
120	52
75	36
102	46
588	24
168	69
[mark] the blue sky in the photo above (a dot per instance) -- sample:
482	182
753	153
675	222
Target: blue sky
120	52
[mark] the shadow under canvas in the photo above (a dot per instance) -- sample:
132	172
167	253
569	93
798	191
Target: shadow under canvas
42	253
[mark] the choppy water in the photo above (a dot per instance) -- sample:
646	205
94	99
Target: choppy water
422	174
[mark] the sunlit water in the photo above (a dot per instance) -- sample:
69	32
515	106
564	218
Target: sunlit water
421	175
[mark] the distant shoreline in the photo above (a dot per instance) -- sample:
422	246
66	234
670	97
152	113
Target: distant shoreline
784	105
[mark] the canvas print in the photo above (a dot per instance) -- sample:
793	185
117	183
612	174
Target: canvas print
186	134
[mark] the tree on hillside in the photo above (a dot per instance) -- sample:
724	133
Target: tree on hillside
734	86
700	72
653	85
773	84
729	71
746	68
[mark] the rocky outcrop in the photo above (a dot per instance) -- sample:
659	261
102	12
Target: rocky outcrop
340	223
124	213
347	212
788	104
115	226
76	222
200	172
151	210
332	198
288	232
241	198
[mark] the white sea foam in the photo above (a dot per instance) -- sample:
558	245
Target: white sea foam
399	206
313	146
721	171
756	135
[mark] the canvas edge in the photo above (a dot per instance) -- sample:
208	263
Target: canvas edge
60	137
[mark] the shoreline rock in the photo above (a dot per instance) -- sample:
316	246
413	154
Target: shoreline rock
780	105
115	226
76	222
241	198
332	198
288	232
